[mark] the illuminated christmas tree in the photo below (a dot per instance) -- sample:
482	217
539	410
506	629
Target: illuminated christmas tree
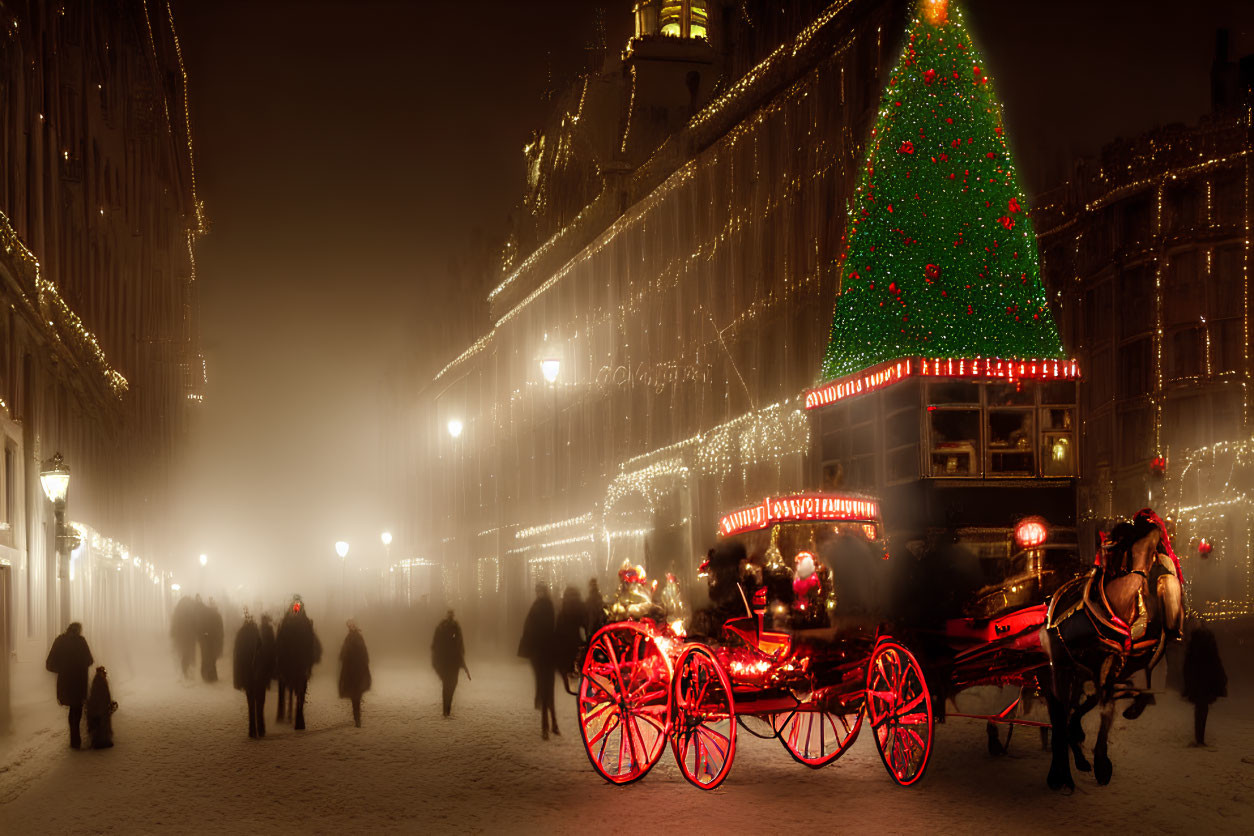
940	257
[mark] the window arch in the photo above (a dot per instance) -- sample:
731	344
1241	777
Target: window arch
673	18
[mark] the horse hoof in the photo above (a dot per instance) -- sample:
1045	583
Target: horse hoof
1102	771
1083	765
1060	782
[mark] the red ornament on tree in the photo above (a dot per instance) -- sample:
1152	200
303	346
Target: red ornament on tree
907	147
1014	204
929	76
1007	221
1158	466
932	272
1204	548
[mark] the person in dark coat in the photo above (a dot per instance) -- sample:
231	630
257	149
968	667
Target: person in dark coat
1204	678
594	606
354	669
184	630
100	708
211	641
251	673
297	650
69	659
448	657
569	634
537	646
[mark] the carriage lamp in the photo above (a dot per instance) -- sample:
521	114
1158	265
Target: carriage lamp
1031	533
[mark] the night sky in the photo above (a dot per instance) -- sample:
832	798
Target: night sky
347	153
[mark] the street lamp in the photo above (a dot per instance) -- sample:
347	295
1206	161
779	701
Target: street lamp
386	537
55	477
204	559
551	368
455	427
341	548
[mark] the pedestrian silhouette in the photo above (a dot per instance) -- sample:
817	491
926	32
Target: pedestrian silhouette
570	632
297	650
252	673
354	669
100	708
448	657
211	640
185	631
1204	678
594	605
537	646
69	658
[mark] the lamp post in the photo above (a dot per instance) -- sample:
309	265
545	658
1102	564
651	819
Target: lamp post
341	548
55	477
386	538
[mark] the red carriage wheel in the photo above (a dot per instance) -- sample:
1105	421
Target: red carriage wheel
899	709
704	734
624	702
816	738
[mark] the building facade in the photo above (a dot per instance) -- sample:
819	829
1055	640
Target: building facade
99	356
1147	252
666	293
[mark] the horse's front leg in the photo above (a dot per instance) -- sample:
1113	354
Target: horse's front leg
1056	685
1075	731
1102	767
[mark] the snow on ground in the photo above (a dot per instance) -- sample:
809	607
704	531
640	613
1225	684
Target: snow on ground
183	763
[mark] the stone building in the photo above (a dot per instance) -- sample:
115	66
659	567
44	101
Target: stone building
1147	251
99	356
665	295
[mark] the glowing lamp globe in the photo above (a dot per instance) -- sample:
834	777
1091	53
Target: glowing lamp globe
204	559
55	478
341	548
175	587
386	537
455	428
1031	533
551	368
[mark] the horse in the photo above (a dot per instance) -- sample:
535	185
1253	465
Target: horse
1102	628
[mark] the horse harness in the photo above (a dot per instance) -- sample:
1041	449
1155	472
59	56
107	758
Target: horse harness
1086	596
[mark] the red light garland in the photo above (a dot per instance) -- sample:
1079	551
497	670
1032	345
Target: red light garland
797	509
979	368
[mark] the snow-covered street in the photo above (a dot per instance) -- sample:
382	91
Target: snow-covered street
183	763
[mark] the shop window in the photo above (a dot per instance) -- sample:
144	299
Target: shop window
1058	452
1011	394
1010	442
953	392
1059	392
955	437
903	464
901	428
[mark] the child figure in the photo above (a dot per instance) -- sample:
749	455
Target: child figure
100	708
1204	678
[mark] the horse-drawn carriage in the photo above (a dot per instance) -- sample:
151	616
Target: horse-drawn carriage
794	647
